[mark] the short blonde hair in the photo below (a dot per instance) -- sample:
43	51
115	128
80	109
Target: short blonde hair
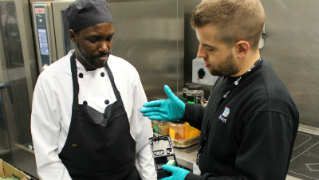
234	20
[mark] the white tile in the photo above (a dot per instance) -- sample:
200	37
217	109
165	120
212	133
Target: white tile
292	178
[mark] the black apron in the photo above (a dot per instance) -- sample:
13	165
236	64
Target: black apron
99	146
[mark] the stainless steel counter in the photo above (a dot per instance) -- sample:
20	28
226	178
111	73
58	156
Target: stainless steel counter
186	157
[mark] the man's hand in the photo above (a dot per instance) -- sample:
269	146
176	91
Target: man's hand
178	173
171	109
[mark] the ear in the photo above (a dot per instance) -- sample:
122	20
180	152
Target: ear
242	48
72	36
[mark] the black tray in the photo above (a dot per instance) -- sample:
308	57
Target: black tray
163	151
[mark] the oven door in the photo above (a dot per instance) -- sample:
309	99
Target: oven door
17	79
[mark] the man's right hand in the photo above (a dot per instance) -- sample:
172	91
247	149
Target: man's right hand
171	109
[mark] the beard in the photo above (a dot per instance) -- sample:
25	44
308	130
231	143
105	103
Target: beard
90	59
227	67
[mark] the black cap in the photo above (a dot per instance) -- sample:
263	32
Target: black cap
188	84
194	87
85	13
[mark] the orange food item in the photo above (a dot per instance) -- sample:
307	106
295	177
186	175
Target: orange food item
179	136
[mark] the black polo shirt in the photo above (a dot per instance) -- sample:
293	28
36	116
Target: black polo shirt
253	129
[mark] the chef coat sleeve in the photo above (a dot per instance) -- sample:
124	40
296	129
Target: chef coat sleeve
194	114
142	130
265	148
45	129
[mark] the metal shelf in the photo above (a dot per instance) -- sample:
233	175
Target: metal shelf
25	147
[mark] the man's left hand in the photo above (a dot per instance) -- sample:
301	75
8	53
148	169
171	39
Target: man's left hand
178	173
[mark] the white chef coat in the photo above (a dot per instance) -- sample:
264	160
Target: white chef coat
7	19
52	110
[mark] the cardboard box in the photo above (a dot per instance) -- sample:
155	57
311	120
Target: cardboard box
8	171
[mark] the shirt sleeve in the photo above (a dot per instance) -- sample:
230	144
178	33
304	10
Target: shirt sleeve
194	114
265	149
45	129
143	131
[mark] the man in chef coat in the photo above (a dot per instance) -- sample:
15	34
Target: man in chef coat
85	118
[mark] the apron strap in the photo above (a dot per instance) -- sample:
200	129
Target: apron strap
75	81
116	92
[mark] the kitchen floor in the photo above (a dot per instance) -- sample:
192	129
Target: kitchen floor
304	162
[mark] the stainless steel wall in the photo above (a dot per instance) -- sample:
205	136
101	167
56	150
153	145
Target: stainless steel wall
191	44
291	47
149	34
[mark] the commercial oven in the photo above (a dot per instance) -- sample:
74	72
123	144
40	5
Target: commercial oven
18	76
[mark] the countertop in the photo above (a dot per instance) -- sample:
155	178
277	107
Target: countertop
186	157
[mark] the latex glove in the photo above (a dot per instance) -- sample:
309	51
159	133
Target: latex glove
170	109
178	173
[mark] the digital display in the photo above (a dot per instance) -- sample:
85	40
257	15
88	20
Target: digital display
44	49
39	10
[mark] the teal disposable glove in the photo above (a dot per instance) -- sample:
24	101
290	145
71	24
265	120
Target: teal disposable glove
178	173
171	109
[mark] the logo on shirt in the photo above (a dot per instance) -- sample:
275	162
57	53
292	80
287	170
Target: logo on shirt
225	114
